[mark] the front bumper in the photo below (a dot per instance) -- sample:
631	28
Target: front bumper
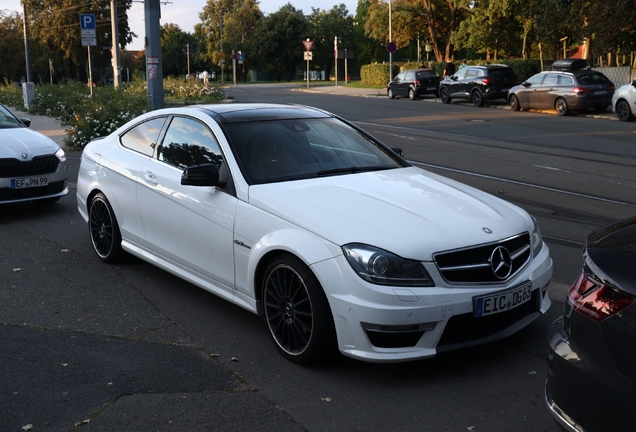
56	187
391	324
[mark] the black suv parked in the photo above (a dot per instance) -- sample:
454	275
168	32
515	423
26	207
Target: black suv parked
478	83
413	83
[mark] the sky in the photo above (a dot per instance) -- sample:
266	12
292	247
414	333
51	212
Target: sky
185	13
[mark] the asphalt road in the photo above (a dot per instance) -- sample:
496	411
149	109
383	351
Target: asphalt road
130	347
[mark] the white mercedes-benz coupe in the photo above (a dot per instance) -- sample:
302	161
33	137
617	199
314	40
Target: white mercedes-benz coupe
331	236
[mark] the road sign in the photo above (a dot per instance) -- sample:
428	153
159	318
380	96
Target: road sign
391	47
308	44
87	21
87	26
309	55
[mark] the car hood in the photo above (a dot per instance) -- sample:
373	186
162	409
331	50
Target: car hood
407	211
14	142
612	251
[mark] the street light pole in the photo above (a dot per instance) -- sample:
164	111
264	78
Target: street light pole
390	40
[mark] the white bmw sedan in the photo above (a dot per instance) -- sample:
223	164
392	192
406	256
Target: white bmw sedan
331	236
32	166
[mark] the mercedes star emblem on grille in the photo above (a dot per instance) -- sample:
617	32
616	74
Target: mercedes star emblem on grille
500	262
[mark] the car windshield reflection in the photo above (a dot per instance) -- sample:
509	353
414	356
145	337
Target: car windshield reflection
7	120
282	150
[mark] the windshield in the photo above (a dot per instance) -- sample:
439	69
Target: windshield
8	120
280	150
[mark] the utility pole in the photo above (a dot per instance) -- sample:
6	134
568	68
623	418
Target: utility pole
28	88
115	30
153	54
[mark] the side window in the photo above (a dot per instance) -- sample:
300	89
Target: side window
550	79
410	76
461	74
565	80
399	77
189	142
536	80
143	137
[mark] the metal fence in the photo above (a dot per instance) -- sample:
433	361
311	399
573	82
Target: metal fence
618	75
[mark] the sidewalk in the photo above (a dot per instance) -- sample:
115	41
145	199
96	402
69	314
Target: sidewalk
48	126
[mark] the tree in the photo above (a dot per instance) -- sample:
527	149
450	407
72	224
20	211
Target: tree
280	37
231	25
438	18
12	64
368	50
324	26
55	26
175	47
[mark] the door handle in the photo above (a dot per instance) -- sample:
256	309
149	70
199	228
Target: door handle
151	178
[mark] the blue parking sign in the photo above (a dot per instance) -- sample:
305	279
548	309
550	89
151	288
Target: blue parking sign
87	21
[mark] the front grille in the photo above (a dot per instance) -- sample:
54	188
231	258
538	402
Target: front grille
10	168
466	328
472	265
35	192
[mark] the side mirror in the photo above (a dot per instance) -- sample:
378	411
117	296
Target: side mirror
397	150
26	121
634	82
202	175
453	77
526	84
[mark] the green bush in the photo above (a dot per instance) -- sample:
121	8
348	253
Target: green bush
377	74
524	69
90	117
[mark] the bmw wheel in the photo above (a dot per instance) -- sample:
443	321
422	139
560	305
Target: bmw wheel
561	107
412	95
478	98
443	94
296	311
514	103
103	228
623	111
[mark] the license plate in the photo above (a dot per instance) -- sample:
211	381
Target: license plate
29	182
503	301
505	90
431	88
600	92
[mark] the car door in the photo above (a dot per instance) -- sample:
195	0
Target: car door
188	226
456	84
526	96
545	95
398	85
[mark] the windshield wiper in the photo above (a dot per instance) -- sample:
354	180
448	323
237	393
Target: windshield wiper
354	169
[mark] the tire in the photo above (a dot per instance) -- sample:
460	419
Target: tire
623	111
104	230
443	94
390	94
514	103
296	311
412	94
477	98
561	107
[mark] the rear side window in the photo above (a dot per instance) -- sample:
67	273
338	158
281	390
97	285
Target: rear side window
143	137
502	73
425	74
593	78
565	80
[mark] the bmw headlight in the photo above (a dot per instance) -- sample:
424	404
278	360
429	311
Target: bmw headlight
537	239
60	155
384	268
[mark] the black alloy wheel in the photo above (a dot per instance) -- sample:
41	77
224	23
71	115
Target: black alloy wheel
103	229
443	94
297	312
514	103
412	95
478	98
623	111
390	94
561	107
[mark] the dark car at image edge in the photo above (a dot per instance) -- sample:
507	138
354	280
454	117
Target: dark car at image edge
591	383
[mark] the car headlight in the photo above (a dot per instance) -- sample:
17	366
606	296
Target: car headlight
537	239
60	155
384	268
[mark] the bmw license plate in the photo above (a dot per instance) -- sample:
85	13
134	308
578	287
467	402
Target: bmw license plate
503	301
600	92
29	182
